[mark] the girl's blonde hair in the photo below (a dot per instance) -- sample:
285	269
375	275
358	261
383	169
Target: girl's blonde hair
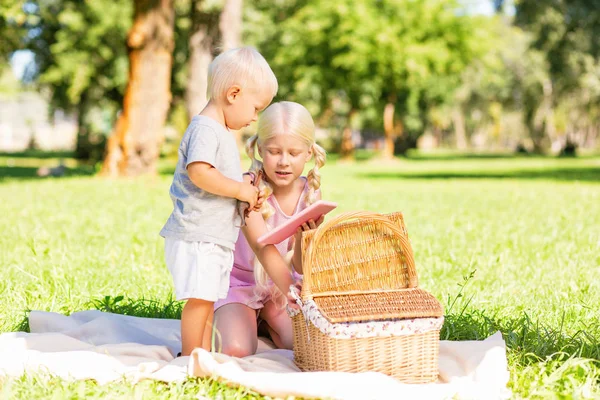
293	119
243	66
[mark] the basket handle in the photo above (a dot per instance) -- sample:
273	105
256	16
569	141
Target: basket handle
344	217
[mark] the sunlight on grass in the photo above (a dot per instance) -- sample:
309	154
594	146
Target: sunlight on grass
509	244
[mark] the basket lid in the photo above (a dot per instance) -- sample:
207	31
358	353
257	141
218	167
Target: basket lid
377	306
357	252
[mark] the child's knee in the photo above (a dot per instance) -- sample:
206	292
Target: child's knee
237	349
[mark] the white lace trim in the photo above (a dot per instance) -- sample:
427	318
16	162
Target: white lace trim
351	330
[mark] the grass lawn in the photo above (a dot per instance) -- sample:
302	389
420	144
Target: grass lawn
509	244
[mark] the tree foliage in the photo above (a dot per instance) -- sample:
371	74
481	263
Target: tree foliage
350	55
13	27
566	36
396	67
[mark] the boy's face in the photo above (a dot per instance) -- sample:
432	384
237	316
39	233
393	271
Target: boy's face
243	105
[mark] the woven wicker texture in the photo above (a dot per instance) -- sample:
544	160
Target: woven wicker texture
369	254
410	359
357	267
406	303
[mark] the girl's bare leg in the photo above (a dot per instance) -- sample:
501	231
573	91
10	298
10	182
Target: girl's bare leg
236	330
279	325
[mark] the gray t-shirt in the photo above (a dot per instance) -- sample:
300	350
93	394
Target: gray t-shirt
200	216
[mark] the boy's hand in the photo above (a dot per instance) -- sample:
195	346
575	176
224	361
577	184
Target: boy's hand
248	193
259	201
247	178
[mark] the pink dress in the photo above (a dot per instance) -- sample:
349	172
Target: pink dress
241	280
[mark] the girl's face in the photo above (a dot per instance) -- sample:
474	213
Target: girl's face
284	157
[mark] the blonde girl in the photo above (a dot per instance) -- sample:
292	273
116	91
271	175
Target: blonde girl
285	141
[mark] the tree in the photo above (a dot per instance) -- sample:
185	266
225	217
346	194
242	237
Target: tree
373	61
426	48
567	35
81	60
202	43
216	26
230	24
493	82
133	147
13	23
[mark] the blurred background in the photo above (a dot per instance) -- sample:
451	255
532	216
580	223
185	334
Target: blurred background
479	120
115	82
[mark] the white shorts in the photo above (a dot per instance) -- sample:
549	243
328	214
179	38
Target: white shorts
200	270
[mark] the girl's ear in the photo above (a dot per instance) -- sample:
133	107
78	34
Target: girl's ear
259	148
233	93
309	154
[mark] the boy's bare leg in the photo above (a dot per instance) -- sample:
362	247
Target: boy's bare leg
208	331
194	317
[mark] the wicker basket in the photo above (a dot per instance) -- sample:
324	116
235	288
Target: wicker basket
359	267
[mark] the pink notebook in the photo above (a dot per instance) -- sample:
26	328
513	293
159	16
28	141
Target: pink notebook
286	230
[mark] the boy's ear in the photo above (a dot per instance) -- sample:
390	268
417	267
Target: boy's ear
233	93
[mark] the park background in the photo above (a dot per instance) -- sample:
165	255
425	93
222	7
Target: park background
479	120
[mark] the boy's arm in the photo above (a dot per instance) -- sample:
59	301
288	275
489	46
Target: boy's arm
208	178
201	146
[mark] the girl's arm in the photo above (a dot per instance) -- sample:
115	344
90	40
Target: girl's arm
268	255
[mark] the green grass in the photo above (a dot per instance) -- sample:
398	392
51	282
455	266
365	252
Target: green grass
509	244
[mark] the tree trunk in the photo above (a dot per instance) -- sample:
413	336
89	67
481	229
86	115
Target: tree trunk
391	130
347	145
460	133
203	38
388	130
592	135
81	146
541	125
133	147
230	24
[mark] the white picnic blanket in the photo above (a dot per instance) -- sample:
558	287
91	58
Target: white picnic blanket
108	347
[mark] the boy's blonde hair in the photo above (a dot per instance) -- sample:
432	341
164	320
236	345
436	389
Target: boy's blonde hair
243	66
293	119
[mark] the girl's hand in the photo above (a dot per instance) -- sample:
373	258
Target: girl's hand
308	226
291	303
